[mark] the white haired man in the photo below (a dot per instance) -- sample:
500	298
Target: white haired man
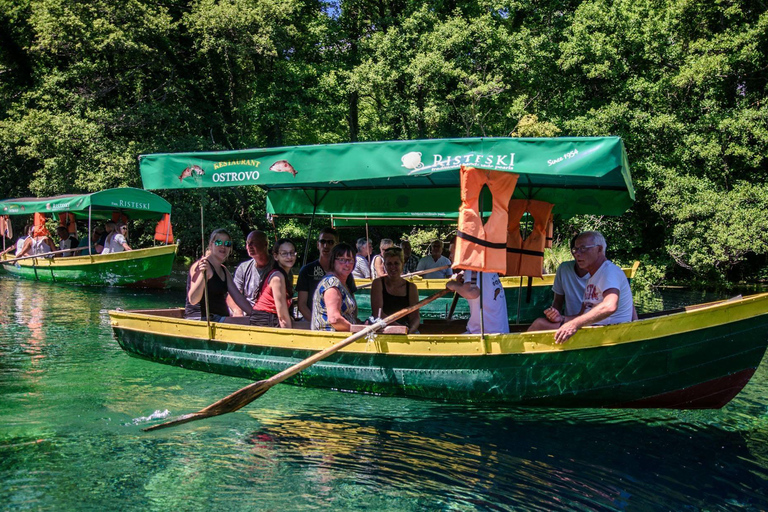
607	297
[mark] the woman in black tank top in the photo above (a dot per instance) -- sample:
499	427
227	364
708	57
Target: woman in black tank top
219	284
391	293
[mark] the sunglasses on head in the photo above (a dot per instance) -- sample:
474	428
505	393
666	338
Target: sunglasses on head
225	243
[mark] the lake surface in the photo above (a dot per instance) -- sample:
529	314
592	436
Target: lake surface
72	405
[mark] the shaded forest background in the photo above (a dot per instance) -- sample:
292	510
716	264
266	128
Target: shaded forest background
87	86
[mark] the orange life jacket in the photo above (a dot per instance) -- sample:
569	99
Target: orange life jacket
40	229
483	247
164	230
118	216
526	257
68	221
6	229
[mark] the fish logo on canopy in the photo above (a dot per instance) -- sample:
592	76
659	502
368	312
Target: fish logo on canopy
283	166
192	170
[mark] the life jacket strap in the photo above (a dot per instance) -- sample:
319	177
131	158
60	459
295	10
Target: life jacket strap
480	241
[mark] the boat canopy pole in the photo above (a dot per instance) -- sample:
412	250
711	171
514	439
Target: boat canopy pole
368	242
309	231
90	232
168	231
480	282
205	273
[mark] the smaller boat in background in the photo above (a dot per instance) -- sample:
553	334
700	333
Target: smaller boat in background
144	268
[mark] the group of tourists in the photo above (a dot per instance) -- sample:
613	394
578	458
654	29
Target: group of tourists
36	241
591	290
261	291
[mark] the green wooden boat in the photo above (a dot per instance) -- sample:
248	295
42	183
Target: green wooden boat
694	358
699	357
142	268
145	268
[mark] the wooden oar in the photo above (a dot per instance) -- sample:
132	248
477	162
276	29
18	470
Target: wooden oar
43	255
248	394
410	274
454	302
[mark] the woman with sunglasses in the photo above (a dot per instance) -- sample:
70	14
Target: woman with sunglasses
391	293
117	241
272	309
333	305
220	283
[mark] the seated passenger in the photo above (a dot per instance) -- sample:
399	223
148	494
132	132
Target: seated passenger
362	268
411	260
272	308
435	260
391	293
220	283
607	297
570	283
24	243
88	240
109	227
117	241
377	263
67	241
333	305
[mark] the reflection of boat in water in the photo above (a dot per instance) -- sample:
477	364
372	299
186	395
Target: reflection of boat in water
530	302
696	358
146	268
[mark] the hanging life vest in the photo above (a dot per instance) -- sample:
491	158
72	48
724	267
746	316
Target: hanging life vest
40	229
119	216
67	220
164	230
525	257
483	247
6	229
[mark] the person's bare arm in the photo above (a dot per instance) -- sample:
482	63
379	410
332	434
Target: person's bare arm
277	283
466	290
333	305
238	297
379	264
606	308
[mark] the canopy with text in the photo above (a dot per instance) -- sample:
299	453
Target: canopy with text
408	178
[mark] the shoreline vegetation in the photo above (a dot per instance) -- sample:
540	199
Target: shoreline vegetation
87	87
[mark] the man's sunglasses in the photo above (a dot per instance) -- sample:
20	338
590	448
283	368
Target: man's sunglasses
225	243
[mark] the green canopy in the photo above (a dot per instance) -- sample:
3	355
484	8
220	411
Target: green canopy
408	177
134	202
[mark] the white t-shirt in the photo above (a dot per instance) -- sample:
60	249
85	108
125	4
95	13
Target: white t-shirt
114	243
494	304
570	286
429	262
609	276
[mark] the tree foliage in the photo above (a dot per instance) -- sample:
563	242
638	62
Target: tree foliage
85	87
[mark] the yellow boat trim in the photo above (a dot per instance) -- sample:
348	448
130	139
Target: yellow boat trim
713	315
72	261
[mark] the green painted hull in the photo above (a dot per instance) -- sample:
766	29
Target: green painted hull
690	368
148	268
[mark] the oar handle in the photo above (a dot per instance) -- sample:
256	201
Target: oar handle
410	274
43	255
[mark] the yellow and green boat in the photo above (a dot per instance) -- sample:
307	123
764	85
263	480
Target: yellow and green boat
688	359
696	357
145	268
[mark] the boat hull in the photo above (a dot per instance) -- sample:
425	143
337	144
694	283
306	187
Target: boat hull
145	268
690	360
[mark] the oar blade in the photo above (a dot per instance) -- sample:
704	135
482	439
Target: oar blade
231	403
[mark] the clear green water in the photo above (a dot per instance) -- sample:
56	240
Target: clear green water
72	403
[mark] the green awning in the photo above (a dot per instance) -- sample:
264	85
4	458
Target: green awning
134	202
408	177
